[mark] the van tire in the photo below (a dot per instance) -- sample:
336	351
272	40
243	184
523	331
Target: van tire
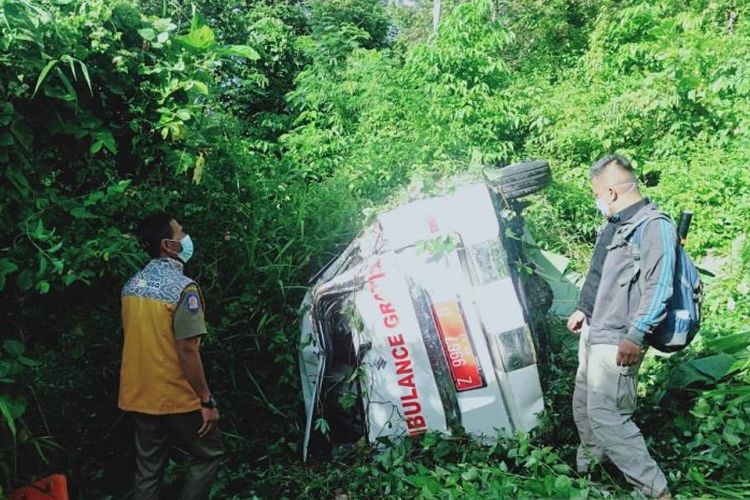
523	179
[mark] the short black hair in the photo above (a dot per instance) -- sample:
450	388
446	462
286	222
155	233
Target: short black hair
153	229
602	163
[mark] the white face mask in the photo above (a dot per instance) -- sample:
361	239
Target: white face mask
603	206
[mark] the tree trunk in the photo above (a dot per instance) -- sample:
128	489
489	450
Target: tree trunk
731	18
435	15
495	8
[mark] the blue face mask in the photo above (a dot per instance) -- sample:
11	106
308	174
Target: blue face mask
187	248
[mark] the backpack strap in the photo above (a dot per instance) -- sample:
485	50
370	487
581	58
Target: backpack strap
638	231
600	229
632	236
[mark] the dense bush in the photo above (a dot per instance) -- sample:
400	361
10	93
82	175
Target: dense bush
271	130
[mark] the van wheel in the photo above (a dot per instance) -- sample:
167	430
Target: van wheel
523	179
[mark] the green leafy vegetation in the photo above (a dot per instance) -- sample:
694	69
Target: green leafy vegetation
273	130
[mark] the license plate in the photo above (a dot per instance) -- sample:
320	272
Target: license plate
454	338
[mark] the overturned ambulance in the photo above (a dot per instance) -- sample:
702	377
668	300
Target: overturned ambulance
427	322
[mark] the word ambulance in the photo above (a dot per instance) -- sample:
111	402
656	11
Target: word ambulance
410	402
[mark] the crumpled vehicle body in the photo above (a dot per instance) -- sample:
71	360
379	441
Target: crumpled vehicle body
425	322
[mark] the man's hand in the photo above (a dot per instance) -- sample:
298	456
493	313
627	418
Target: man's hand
210	418
575	321
628	353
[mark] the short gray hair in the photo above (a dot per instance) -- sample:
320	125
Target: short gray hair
622	162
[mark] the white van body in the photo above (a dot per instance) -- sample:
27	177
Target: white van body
431	303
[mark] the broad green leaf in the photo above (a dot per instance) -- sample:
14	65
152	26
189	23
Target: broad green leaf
17	407
82	213
13	347
6	412
41	16
731	438
6	113
714	367
709	370
195	21
200	39
45	71
322	426
186	160
118	188
85	71
6	267
200	162
147	34
729	344
239	51
43	261
426	491
470	475
93	198
183	114
31	363
57	93
71	63
107	140
562	468
200	86
18	18
6	139
72	96
38	232
164	25
562	483
19	181
25	280
58	264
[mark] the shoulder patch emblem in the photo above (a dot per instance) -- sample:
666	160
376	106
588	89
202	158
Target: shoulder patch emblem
193	302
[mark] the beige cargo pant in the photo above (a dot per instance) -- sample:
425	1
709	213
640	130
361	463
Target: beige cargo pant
604	400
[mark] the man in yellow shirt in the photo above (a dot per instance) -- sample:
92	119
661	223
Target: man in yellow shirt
162	381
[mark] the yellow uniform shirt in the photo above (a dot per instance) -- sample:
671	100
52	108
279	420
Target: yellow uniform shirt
159	305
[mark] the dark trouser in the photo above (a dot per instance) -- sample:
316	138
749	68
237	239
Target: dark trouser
154	436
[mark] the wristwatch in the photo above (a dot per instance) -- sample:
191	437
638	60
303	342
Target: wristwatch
210	403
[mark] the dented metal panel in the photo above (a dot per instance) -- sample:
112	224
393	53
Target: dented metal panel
441	336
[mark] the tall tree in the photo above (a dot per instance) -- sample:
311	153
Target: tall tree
435	15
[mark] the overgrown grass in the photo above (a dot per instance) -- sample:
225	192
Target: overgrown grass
537	465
